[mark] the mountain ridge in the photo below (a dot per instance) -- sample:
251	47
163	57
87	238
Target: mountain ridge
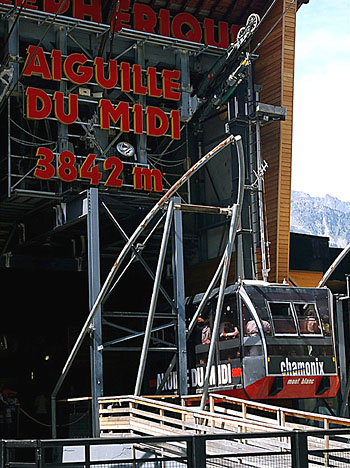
321	216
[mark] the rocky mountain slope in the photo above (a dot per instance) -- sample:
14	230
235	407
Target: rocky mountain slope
319	216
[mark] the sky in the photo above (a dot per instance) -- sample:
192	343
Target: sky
321	125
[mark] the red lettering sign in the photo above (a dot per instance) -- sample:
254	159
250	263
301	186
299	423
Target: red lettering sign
145	18
36	63
112	80
157	121
38	104
81	75
194	33
119	112
142	17
72	114
143	177
88	11
52	6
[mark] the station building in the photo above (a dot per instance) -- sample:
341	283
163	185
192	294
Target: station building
104	106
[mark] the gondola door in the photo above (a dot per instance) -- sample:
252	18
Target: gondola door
230	343
254	350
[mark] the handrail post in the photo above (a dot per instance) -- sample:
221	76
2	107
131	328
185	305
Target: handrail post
300	455
53	417
326	440
211	404
38	454
2	454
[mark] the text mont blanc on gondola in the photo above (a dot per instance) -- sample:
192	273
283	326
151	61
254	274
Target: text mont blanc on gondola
40	104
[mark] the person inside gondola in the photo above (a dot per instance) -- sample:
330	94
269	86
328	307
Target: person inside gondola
197	332
230	331
252	328
311	325
325	325
206	332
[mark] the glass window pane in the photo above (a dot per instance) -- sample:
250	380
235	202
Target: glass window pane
252	340
229	323
309	323
282	317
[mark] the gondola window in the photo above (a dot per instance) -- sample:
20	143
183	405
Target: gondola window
308	319
283	318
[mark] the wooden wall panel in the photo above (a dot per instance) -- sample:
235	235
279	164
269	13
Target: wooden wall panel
274	71
308	279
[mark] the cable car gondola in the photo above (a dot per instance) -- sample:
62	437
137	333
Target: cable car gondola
275	342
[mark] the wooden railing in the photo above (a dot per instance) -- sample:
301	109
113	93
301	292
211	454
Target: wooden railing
144	416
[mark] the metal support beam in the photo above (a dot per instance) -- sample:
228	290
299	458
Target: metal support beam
193	322
122	255
134	334
13	50
96	361
183	64
340	340
299	447
179	295
215	210
334	265
141	139
154	298
139	257
62	130
265	268
253	167
235	219
215	332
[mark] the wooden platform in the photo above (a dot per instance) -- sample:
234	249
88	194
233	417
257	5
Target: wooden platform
129	416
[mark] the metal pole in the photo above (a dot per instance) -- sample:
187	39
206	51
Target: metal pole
212	284
154	298
235	217
340	340
253	167
193	322
13	50
299	449
148	218
179	295
205	298
264	268
139	257
141	139
215	332
333	266
96	361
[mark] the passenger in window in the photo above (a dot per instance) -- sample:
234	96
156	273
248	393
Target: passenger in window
252	328
230	331
197	332
325	324
311	325
206	332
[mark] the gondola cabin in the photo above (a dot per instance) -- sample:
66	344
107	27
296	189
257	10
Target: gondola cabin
274	342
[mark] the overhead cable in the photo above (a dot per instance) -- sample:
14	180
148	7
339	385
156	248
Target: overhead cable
12	28
31	134
273	26
52	22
